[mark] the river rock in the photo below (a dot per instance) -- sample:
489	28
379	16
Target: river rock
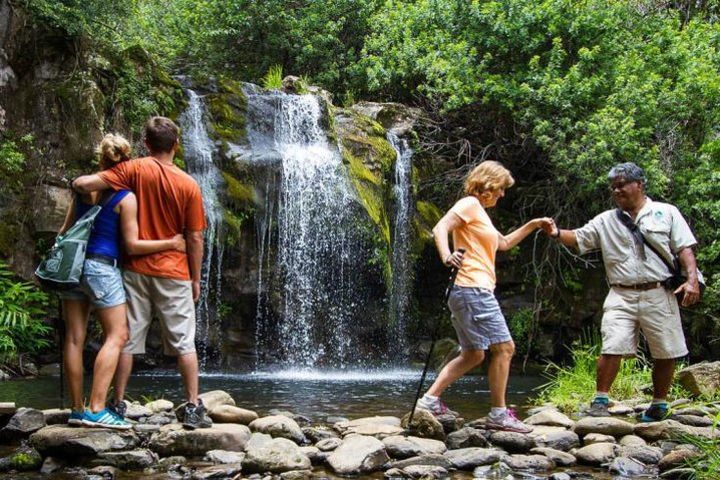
398	446
529	462
329	444
559	476
102	472
315	455
676	458
296	475
469	458
450	422
233	414
643	453
158	419
56	416
627	467
561	459
278	426
52	465
425	472
670	429
632	441
466	437
129	459
693	420
225	471
224	456
266	454
596	454
67	441
215	398
700	411
685	473
605	425
161	405
23	423
174	440
701	378
550	417
22	459
512	442
559	440
136	411
378	427
424	424
316	434
437	460
591	438
358	454
498	470
621	409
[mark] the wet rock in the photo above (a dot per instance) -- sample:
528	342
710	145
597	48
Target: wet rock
169	463
399	446
424	424
496	471
679	474
333	419
693	420
701	378
129	460
560	476
358	454
278	426
22	459
224	456
437	460
174	440
669	429
158	419
697	411
563	440
466	437
426	472
232	414
316	434
161	405
561	459
591	438
596	454
67	441
379	427
550	417
676	458
605	425
469	458
52	465
136	411
56	416
217	472
632	440
102	472
329	444
23	423
642	453
395	473
315	455
627	467
512	442
267	454
620	409
296	475
145	431
216	398
449	422
529	462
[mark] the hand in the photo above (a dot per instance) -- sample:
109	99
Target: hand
179	243
455	259
691	294
196	290
546	223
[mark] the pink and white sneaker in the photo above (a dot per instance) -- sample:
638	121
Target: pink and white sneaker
507	422
436	407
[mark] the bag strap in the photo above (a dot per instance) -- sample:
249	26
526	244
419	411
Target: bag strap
635	230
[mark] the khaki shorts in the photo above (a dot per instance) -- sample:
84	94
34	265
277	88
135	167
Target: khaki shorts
172	302
654	312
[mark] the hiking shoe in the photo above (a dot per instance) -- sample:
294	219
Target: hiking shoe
118	408
104	419
655	413
196	416
75	419
598	408
436	407
507	422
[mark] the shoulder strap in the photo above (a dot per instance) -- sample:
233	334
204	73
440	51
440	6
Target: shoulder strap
635	230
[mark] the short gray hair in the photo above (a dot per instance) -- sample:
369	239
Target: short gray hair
629	171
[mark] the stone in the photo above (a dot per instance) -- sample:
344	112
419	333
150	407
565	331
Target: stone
627	467
315	455
394	473
328	444
22	459
56	416
679	474
550	417
170	462
560	476
50	370
697	411
426	472
52	465
563	440
591	438
398	446
233	414
63	441
316	434
7	408
499	470
693	420
642	453
676	458
466	437
670	429
4	376
620	409
437	460
276	455
102	472
596	454
512	442
225	471
136	411
379	427
161	405
129	459
158	419
700	379
174	440
469	458
424	425
23	423
224	456
561	459
215	398
279	426
529	462
358	454
449	422
632	440
605	425
296	475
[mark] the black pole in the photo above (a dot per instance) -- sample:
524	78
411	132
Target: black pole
61	335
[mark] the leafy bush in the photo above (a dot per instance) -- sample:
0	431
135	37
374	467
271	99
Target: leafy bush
273	78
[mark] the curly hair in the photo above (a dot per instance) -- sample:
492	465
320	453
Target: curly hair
113	149
486	177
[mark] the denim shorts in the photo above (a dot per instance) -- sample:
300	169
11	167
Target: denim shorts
101	285
477	318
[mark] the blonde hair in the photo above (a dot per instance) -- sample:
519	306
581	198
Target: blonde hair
113	149
486	177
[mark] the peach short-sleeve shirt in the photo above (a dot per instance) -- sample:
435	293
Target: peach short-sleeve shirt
480	240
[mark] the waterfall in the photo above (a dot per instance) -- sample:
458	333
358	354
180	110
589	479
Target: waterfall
198	155
401	264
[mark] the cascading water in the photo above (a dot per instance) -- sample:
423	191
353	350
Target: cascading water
402	267
198	155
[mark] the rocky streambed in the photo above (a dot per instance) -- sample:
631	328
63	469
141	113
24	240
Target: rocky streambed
282	444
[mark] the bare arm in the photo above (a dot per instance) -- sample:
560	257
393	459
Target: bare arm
506	242
69	217
566	237
89	183
447	224
691	287
129	225
194	240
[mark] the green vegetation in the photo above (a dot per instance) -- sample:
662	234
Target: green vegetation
707	463
273	78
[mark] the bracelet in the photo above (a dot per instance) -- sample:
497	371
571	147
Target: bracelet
556	236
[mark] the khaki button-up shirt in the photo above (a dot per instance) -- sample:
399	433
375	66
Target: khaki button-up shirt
661	224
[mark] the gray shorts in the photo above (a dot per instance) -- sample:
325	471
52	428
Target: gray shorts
477	318
101	286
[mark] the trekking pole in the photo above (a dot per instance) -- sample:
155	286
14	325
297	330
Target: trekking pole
61	335
433	338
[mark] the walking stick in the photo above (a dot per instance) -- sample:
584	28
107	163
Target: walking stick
61	335
433	337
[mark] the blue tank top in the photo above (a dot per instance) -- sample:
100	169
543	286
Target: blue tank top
105	237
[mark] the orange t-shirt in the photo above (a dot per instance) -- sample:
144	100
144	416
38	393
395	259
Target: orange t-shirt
480	240
169	202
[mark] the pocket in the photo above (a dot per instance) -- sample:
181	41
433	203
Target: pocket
658	234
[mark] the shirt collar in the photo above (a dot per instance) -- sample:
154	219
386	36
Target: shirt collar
645	210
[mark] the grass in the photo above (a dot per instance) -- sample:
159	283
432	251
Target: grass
707	463
273	78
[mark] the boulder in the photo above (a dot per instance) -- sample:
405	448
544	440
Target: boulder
437	460
425	472
224	456
22	459
563	440
469	458
224	471
529	462
278	426
424	425
627	467
550	417
358	454
596	454
174	440
232	414
56	416
701	378
161	405
315	455
65	441
129	459
215	398
52	465
329	444
670	429
276	455
642	453
676	458
466	437
561	459
398	446
694	420
632	440
136	411
316	434
591	438
512	442
605	425
378	427
450	422
23	423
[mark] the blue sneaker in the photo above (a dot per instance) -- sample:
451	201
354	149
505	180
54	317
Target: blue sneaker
655	413
75	419
104	419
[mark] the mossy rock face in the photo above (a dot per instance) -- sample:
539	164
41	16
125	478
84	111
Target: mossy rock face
241	201
23	459
228	107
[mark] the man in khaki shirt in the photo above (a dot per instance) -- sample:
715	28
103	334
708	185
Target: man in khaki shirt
638	300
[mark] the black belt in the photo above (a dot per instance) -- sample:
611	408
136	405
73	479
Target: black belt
106	259
639	286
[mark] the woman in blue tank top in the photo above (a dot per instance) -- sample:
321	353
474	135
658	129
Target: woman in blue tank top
101	287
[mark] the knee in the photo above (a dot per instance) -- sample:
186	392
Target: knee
118	337
474	357
504	350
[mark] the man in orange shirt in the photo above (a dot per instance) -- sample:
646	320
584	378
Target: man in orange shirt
168	282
